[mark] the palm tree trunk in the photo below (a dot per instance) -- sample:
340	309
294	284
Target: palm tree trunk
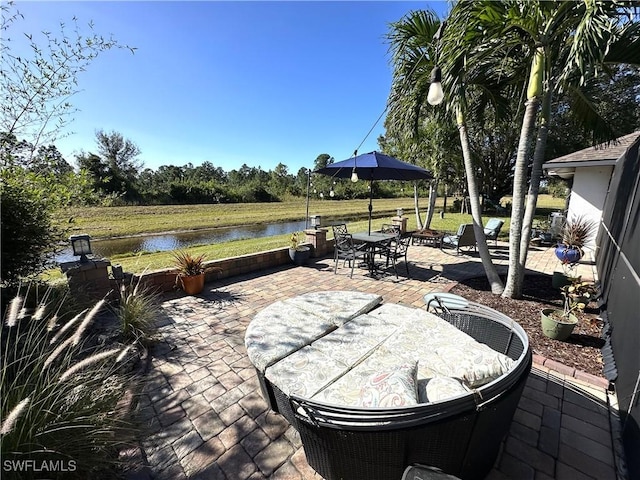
489	268
416	206
513	288
515	277
536	175
433	195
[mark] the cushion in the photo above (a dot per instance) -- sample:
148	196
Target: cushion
388	388
337	307
355	340
474	363
438	388
279	330
347	390
404	316
305	372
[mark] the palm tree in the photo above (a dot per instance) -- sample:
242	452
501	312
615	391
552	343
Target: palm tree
559	43
412	53
414	56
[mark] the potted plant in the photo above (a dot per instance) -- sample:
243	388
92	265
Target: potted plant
298	253
559	324
575	234
191	271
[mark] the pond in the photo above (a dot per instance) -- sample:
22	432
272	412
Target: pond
172	241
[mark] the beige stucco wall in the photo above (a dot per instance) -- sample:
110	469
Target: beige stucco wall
590	186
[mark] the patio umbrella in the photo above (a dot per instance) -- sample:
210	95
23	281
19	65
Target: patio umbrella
375	166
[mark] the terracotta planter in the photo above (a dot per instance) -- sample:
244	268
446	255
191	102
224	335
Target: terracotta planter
192	284
555	325
301	255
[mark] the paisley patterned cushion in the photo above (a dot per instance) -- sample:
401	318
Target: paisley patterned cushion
475	364
440	388
337	307
395	387
322	345
347	390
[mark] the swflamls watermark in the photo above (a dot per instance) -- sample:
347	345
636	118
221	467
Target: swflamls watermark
31	465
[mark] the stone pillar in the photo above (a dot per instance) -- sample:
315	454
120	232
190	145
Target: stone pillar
318	240
89	279
402	222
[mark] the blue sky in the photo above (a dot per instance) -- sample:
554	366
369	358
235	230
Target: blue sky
232	82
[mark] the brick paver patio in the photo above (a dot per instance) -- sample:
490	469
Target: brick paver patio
204	418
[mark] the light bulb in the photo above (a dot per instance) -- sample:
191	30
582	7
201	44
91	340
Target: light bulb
332	193
354	176
435	95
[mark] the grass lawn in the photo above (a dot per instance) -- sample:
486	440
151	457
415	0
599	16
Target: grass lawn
104	222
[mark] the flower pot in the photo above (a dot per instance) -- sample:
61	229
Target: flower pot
568	254
300	255
556	325
192	284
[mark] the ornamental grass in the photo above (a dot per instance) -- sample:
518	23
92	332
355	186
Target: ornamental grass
61	411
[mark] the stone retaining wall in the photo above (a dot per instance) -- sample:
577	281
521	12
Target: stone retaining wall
94	276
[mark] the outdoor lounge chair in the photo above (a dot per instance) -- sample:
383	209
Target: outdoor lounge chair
492	229
465	237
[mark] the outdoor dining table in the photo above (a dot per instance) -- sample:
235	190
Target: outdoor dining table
373	240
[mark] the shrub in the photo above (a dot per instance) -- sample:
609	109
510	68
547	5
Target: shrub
29	236
60	399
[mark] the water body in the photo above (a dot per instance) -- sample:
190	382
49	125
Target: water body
173	241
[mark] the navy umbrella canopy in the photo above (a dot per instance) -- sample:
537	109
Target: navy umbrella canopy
375	166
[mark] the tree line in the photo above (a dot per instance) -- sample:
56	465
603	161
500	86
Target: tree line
524	82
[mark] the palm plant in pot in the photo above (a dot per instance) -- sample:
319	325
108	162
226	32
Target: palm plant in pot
298	253
559	324
191	271
576	232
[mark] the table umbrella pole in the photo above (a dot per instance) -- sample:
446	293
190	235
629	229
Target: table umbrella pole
370	203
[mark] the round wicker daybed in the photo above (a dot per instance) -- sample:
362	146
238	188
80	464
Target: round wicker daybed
460	436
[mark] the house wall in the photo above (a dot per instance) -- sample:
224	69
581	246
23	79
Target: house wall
590	186
618	264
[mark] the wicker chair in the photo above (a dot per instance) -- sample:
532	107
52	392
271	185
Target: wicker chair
460	436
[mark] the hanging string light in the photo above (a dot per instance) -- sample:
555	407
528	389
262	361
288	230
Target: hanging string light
354	174
435	94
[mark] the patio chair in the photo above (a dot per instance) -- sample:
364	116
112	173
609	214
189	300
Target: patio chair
345	250
464	238
398	251
339	229
492	229
383	249
390	228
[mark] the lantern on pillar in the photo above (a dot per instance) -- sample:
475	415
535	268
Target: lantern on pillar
81	245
